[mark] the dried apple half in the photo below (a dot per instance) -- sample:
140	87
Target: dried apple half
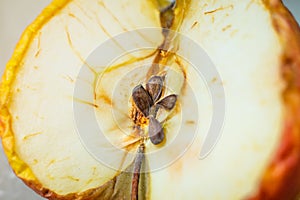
101	100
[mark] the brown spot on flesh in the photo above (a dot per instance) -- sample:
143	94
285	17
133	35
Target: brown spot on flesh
69	78
226	28
31	135
56	161
218	9
177	168
214	80
72	15
194	24
72	178
184	73
38	45
37	53
190	122
51	162
106	99
50	177
87	103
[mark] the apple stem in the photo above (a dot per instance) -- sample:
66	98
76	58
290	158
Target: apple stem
136	172
167	16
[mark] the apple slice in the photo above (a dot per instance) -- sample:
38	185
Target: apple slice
80	119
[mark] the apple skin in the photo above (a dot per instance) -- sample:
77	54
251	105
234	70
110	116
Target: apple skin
103	192
282	178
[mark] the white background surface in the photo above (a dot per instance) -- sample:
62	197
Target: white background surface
15	15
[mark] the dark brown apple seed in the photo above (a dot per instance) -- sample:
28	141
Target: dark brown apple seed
154	87
156	132
168	102
142	99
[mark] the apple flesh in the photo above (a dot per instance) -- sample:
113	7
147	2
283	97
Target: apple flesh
251	53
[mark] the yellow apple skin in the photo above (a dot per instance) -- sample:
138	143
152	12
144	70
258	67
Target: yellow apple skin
20	168
280	181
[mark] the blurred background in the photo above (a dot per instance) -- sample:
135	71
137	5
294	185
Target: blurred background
15	15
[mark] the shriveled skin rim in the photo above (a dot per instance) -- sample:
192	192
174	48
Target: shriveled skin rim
282	178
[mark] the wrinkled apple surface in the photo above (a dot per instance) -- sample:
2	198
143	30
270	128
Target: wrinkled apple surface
40	125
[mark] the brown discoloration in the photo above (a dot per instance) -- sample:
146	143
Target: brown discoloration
226	27
38	45
218	9
184	73
15	63
56	161
50	177
103	192
87	103
128	62
69	78
214	80
77	19
249	4
233	33
112	189
89	181
194	24
37	53
31	135
72	15
190	122
71	178
105	98
20	168
177	168
51	162
213	19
